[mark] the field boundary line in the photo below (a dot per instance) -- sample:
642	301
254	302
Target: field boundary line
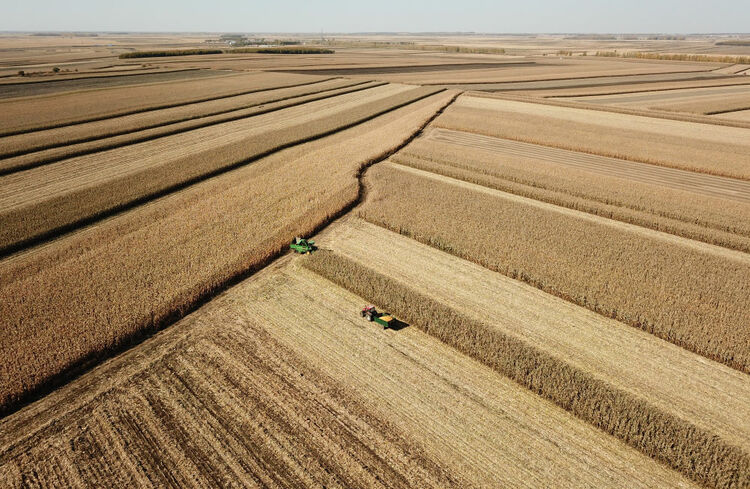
700	246
83	140
156	107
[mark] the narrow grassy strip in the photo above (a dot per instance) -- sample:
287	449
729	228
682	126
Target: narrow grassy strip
51	215
36	141
53	155
690	294
698	454
157	106
100	289
712	220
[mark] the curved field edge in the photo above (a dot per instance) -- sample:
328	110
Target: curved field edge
700	455
149	292
49	218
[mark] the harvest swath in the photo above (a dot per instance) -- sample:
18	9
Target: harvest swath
565	251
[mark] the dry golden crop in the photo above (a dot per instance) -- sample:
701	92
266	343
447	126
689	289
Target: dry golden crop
79	133
686	292
697	453
55	154
712	149
46	112
711	219
96	289
78	190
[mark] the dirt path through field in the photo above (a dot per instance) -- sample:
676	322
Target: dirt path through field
724	187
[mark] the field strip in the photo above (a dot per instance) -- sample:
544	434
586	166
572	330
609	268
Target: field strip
69	175
724	187
41	88
651	373
677	95
718	134
666	237
78	195
587	81
133	100
281	369
33	160
570	102
624	89
25	143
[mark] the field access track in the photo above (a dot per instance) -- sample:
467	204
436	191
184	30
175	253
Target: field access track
702	183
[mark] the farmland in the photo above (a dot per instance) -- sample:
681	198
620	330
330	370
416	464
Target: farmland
563	239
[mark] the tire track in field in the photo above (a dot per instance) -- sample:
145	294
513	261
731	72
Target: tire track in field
715	186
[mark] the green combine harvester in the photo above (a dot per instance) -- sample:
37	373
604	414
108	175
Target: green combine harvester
302	245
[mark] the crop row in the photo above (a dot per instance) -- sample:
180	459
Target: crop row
712	220
695	452
691	294
79	133
49	112
79	191
716	150
118	132
99	288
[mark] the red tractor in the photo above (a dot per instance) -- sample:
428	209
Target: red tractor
372	314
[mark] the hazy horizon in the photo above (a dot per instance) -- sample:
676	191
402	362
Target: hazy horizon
386	16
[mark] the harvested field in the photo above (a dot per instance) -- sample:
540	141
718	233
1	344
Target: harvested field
46	87
556	71
708	100
74	108
705	148
180	248
238	390
593	263
740	115
40	201
710	219
654	86
711	185
607	373
71	135
590	82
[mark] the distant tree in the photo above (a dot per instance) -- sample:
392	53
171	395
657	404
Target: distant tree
21	73
56	69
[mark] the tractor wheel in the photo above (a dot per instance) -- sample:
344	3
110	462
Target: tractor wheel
369	317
